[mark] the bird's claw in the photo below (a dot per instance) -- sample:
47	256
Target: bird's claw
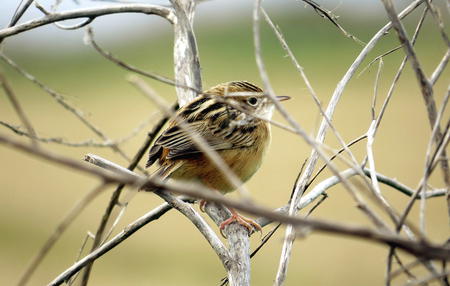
249	224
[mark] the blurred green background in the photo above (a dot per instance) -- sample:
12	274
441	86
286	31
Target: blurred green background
35	195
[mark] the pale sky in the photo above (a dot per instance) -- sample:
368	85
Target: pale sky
130	26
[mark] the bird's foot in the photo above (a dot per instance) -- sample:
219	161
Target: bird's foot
249	224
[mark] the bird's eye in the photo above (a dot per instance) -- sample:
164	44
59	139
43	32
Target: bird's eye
252	101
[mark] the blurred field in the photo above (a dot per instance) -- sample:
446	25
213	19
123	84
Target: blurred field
34	195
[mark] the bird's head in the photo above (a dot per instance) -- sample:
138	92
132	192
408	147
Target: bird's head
247	96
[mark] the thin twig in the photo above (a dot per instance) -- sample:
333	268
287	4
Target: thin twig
439	22
436	157
64	27
404	268
59	230
66	161
439	147
116	240
371	138
377	58
369	150
426	88
354	141
20	10
422	187
422	248
196	190
316	100
92	12
291	55
320	188
403	188
287	246
400	69
113	201
64	103
88	236
332	18
108	55
188	211
440	68
307	174
376	86
428	278
86	143
18	108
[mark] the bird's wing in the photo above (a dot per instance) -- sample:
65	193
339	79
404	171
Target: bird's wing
219	133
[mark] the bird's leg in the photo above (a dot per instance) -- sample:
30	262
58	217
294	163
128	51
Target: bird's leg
250	224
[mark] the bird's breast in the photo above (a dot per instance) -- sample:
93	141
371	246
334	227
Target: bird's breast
244	162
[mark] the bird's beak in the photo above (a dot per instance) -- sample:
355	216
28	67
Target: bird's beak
283	98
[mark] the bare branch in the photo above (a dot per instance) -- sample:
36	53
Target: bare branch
442	145
262	70
354	141
405	189
59	230
64	103
116	240
369	150
185	53
391	51
370	138
236	259
18	108
332	18
305	79
375	89
88	236
422	248
20	10
428	279
404	268
400	69
86	143
188	211
285	46
108	55
440	68
323	186
438	20
287	246
113	201
422	184
94	12
63	27
425	85
292	122
68	162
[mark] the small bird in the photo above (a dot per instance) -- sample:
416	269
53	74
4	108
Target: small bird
222	115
